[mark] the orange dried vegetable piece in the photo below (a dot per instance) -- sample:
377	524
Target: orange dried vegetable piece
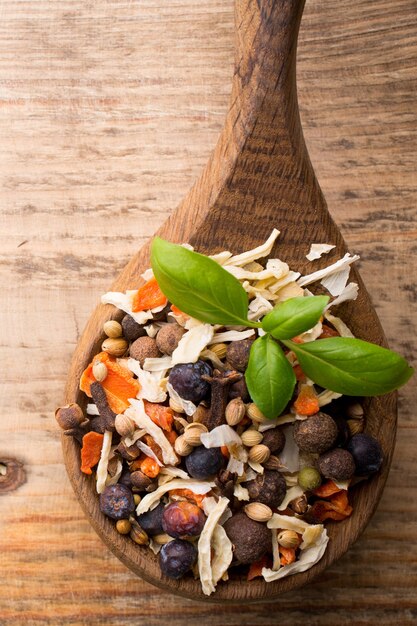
119	384
326	490
177	311
287	555
161	415
190	495
299	374
225	451
148	466
255	569
150	441
171	436
336	508
328	332
307	402
297	339
149	296
91	451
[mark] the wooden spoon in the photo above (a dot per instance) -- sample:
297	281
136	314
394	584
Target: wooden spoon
258	177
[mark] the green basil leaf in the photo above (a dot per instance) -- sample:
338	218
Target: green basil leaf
198	285
269	377
351	366
294	316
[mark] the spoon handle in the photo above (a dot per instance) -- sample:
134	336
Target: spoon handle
259	174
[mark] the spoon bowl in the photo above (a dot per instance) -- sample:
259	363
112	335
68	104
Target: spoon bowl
258	177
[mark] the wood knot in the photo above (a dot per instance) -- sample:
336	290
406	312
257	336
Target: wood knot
12	475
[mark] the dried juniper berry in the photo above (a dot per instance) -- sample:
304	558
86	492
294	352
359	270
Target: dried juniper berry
131	329
177	557
151	521
117	502
367	454
186	379
183	519
204	463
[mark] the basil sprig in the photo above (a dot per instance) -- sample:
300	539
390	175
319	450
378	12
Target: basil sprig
269	376
203	289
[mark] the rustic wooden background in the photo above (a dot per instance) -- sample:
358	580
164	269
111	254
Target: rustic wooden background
109	109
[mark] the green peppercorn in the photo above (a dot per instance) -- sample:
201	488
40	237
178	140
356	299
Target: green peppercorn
309	478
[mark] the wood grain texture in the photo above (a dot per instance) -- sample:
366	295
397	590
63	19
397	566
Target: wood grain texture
258	176
109	112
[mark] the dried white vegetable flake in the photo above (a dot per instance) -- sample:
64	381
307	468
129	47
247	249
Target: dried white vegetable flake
223	435
347	260
192	343
151	385
317	250
223	554
256	253
92	409
103	462
188	406
123	301
204	547
314	544
350	292
241	493
292	493
136	412
232	335
199	487
339	325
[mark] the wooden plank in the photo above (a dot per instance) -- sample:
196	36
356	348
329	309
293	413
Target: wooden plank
109	111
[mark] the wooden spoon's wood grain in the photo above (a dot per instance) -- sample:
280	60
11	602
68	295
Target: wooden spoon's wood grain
258	177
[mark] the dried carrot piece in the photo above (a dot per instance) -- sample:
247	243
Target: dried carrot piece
190	495
119	384
255	569
299	374
148	466
161	415
150	441
91	451
327	332
336	508
171	436
177	311
225	451
148	296
287	555
326	490
307	402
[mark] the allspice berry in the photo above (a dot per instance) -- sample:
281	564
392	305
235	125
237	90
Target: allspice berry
274	439
144	348
317	434
269	488
238	354
337	464
250	539
169	337
239	390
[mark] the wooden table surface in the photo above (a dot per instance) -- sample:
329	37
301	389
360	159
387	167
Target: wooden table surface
109	109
